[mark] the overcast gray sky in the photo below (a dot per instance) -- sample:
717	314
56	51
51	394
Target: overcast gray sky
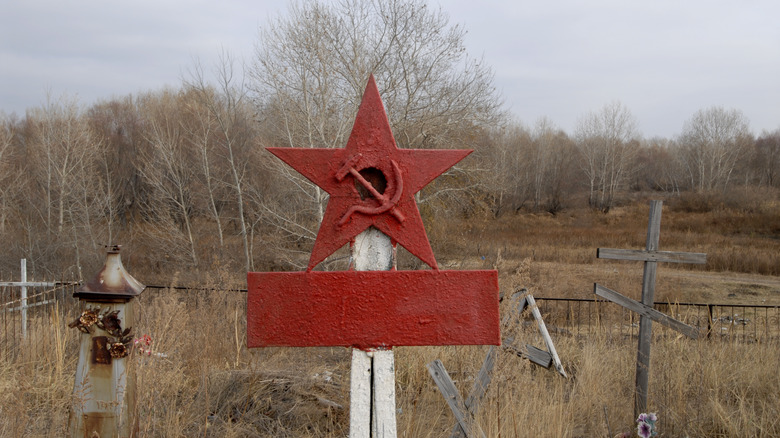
664	60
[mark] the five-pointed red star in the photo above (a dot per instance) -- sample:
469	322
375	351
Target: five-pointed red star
371	150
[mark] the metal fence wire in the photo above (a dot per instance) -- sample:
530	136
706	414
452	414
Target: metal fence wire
563	316
24	317
718	322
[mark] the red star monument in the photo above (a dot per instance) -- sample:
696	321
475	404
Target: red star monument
371	150
372	183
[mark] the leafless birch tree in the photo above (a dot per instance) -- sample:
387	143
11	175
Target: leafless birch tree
166	166
711	145
767	158
608	141
228	116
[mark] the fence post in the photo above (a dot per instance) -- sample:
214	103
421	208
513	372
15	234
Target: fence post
24	299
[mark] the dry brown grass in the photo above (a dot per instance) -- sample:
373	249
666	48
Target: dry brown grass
210	385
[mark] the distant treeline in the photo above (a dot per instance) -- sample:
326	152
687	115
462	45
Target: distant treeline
181	178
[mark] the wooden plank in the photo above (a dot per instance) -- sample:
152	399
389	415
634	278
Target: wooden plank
521	306
652	255
542	359
478	390
453	398
538	356
383	384
24	298
360	395
654	225
39	303
647	311
546	335
645	324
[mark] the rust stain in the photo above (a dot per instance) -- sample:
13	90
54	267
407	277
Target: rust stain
99	424
100	350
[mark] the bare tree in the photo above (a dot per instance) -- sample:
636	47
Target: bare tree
166	166
551	157
311	67
767	158
200	132
118	123
712	143
505	178
657	168
64	143
608	141
229	116
64	152
10	173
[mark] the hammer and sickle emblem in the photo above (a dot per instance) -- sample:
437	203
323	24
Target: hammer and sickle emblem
386	203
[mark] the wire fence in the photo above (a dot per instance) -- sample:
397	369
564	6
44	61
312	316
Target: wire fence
33	317
718	322
25	315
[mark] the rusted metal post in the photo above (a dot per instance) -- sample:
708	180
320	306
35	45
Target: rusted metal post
104	390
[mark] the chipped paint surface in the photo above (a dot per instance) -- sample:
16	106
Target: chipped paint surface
104	388
372	308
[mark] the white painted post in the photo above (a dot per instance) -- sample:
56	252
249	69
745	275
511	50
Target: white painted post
383	402
360	395
24	299
372	377
103	396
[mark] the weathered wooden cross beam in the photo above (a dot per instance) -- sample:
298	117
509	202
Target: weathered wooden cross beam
650	256
466	411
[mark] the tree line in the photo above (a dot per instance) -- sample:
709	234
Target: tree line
181	175
544	168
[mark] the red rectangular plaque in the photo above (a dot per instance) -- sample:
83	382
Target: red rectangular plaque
366	309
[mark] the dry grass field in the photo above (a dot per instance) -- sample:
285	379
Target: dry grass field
209	385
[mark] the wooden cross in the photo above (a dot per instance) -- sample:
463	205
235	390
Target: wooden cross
651	256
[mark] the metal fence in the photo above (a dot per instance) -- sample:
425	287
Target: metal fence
721	322
32	316
27	313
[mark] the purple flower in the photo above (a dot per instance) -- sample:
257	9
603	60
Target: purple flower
645	430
